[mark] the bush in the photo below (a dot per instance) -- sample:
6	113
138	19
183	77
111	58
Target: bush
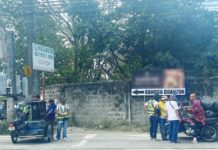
4	127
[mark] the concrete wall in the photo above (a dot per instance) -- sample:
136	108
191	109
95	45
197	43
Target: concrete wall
110	103
96	104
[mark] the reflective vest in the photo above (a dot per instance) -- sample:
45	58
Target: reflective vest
62	109
150	107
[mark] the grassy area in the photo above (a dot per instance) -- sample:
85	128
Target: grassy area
4	127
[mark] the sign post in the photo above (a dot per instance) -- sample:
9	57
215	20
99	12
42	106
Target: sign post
43	60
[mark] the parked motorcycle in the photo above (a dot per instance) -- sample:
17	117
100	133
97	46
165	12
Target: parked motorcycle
207	133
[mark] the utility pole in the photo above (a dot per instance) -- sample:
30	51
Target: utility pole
11	72
29	10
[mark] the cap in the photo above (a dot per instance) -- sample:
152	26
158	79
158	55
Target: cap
164	97
61	98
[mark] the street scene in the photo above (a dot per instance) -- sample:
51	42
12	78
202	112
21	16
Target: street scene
108	74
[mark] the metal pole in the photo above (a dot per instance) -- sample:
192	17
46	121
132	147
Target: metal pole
43	85
33	84
11	73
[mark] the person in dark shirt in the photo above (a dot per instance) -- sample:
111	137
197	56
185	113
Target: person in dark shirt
51	114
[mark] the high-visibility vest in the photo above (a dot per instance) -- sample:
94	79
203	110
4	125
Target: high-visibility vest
150	107
62	110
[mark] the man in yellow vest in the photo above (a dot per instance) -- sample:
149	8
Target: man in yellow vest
63	117
150	106
163	114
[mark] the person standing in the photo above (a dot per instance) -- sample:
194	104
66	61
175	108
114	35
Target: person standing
173	118
51	115
151	107
197	112
63	117
163	114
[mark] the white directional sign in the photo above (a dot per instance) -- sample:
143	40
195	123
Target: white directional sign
43	58
160	91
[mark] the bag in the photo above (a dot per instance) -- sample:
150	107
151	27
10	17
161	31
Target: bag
210	114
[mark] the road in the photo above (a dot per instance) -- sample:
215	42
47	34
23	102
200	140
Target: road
79	139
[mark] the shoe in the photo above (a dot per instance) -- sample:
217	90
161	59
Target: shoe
194	140
65	139
154	139
151	139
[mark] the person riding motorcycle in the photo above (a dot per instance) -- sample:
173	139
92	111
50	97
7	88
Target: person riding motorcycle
197	112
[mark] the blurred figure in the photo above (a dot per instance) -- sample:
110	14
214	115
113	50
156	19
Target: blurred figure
151	106
51	115
63	117
197	112
173	118
163	113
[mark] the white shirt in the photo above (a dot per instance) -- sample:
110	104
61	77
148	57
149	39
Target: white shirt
171	107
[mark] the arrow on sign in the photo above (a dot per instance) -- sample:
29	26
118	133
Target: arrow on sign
138	92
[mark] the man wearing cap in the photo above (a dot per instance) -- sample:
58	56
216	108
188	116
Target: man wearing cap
163	113
62	116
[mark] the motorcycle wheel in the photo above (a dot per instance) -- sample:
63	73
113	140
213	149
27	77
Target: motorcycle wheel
208	133
14	137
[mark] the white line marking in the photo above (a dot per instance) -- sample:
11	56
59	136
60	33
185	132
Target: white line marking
90	136
87	137
5	137
80	144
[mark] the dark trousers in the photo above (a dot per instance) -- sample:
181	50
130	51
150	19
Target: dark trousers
52	122
173	130
162	122
197	126
153	126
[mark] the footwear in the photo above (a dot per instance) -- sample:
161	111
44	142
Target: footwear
65	139
194	140
154	139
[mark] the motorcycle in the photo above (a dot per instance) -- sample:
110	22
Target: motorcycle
207	133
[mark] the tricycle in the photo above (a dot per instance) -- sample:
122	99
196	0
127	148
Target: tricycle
30	121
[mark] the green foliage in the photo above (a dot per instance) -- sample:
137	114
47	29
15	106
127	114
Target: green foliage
117	37
4	127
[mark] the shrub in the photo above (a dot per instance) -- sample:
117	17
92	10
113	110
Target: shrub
4	127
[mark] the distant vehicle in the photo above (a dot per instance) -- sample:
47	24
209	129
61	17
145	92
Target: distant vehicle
31	121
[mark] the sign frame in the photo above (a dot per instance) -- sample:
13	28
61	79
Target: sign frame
43	58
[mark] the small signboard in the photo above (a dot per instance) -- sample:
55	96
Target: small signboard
167	82
43	58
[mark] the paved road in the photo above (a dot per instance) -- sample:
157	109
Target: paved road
102	140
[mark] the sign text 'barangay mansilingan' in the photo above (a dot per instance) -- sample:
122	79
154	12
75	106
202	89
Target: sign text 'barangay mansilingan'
43	58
